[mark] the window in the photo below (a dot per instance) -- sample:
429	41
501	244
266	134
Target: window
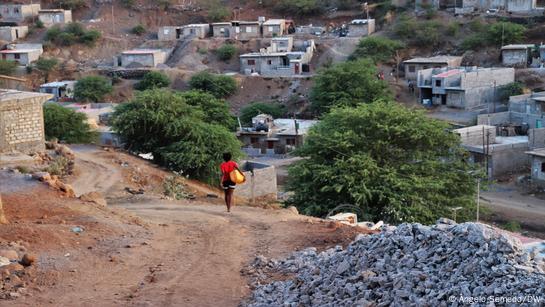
222	30
254	140
290	141
437	82
425	67
17	56
251	62
412	68
269	62
271	28
248	29
543	167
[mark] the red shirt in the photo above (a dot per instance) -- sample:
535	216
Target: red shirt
226	168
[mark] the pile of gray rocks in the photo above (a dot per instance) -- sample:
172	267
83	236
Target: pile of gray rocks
447	264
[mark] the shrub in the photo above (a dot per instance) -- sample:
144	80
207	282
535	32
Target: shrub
248	112
405	27
377	48
505	33
7	67
218	13
153	79
138	30
473	42
512	226
59	167
453	28
218	85
23	169
128	3
66	125
90	37
299	7
174	186
71	34
39	24
92	88
226	52
71	4
512	89
46	66
428	33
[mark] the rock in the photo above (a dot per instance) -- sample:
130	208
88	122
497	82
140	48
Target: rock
14	267
28	259
293	210
4	261
94	197
67	189
10	254
41	176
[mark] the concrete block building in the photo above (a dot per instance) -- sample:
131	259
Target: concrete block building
57	16
21	121
260	182
141	58
11	34
178	32
274	27
525	112
517	55
61	90
511	6
414	65
24	54
18	12
361	27
537	162
282	59
466	88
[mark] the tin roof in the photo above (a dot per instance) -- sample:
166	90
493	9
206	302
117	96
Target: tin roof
141	51
517	46
439	59
449	73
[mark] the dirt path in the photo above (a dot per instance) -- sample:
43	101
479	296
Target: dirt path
189	254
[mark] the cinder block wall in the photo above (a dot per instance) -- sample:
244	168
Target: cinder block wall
262	181
22	126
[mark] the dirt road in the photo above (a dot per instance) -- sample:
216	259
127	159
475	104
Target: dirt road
189	253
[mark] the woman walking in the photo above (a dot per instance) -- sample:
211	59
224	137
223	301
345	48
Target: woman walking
227	184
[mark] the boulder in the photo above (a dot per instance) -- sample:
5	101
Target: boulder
28	259
94	197
10	254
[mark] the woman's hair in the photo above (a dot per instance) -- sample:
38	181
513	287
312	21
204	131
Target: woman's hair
226	156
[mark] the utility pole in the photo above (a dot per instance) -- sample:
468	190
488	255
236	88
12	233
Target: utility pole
502	33
113	18
478	197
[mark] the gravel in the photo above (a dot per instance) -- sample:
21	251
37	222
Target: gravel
446	264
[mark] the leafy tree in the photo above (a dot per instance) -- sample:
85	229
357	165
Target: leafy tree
218	85
90	37
7	67
153	79
299	7
347	84
92	88
506	33
218	13
512	89
179	135
250	111
71	34
67	125
46	66
215	110
226	52
392	162
377	48
138	30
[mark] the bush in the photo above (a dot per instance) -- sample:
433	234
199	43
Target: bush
473	42
174	186
299	7
512	89
248	112
505	33
66	125
128	3
218	13
59	167
72	33
226	52
394	163
453	28
39	24
177	134
512	226
377	48
92	88
153	79
138	30
7	67
23	169
71	4
218	85
46	66
347	84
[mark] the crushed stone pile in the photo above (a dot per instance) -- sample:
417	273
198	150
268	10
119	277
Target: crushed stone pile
446	264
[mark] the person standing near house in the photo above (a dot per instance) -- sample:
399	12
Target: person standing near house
227	185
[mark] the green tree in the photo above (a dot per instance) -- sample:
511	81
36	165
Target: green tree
299	7
67	125
7	67
215	110
249	111
218	13
71	34
153	79
226	52
70	4
506	33
138	30
377	48
218	85
177	134
92	88
347	84
394	163
46	66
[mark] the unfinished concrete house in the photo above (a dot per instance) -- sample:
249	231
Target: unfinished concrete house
260	182
269	136
21	121
510	6
517	55
361	27
414	65
56	16
11	34
525	112
177	32
498	155
274	28
18	12
466	88
283	58
221	29
141	58
23	54
61	90
537	169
